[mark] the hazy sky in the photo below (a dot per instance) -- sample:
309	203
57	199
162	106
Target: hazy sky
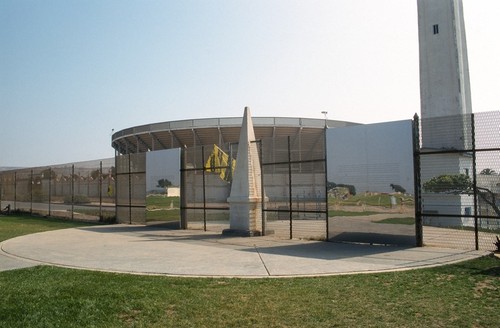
71	71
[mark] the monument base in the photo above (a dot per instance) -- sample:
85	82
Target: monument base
245	215
241	233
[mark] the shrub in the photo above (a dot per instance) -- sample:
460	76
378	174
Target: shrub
77	199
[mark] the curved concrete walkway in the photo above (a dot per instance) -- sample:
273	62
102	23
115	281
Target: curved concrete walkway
156	250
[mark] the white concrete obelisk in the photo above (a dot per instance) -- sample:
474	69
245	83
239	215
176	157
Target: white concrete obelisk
245	200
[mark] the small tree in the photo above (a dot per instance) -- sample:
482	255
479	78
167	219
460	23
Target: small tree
398	188
95	174
449	183
351	188
164	183
497	244
460	184
488	171
48	174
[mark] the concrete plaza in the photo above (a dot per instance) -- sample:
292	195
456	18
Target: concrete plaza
193	253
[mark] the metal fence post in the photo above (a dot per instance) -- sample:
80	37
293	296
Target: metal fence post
31	192
129	189
99	184
15	190
204	191
183	199
290	187
50	188
262	191
72	191
419	236
325	152
474	180
112	182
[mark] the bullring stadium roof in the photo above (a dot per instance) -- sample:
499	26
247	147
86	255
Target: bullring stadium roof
207	131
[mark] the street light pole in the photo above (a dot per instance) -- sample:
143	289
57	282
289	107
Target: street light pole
325	113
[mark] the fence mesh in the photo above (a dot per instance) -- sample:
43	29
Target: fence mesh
206	186
293	176
82	190
294	183
131	188
370	184
460	184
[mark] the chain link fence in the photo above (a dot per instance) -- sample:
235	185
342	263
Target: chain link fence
294	182
458	164
293	179
131	188
80	191
370	184
206	175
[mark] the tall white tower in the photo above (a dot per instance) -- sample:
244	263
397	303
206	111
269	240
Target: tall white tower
445	101
444	71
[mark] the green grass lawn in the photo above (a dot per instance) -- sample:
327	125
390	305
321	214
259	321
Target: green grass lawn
333	213
13	226
405	220
163	215
160	201
466	294
160	208
383	200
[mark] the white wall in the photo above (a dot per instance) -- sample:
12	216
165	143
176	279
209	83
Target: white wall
371	156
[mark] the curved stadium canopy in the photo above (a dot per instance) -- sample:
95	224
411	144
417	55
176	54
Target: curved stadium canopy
207	131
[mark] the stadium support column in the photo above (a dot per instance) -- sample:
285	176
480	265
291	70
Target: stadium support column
245	199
